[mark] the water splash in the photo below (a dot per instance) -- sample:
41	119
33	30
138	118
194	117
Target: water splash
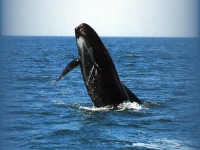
129	105
121	107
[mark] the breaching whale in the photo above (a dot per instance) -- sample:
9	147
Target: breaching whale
98	70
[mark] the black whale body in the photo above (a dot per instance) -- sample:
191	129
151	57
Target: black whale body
98	70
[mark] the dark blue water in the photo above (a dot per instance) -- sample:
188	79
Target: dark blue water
38	114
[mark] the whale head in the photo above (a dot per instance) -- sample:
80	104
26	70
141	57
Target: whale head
89	43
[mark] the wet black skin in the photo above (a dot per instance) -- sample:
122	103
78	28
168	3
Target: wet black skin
98	70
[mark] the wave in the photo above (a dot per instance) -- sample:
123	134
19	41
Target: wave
164	143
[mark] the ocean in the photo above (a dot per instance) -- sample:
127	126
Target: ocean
37	113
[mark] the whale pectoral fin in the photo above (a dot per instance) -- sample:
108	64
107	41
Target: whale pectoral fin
132	97
73	64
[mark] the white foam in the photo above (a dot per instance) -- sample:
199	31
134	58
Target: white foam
121	107
129	105
95	108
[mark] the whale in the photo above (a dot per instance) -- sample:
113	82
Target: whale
98	70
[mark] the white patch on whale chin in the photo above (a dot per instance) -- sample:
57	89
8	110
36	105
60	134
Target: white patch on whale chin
83	47
81	42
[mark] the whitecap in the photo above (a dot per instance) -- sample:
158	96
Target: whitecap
163	143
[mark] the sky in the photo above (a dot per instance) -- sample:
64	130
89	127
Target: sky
135	18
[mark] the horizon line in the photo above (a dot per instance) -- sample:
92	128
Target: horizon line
101	36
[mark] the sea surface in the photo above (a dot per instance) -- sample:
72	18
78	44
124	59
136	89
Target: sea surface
37	113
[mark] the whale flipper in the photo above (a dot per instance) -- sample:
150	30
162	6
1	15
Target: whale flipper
132	97
73	64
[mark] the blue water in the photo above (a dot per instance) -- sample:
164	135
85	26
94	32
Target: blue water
38	114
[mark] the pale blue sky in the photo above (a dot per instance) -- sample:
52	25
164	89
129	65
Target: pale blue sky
108	17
